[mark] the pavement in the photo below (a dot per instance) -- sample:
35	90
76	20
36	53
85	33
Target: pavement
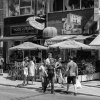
90	88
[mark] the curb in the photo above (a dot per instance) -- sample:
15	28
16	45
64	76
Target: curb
19	86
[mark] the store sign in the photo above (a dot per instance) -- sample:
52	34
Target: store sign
75	19
23	29
72	24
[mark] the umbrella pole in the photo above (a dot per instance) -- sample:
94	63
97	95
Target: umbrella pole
23	55
41	55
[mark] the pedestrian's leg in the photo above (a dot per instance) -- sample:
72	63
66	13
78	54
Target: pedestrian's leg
52	85
67	87
75	88
45	84
24	80
32	79
74	83
27	79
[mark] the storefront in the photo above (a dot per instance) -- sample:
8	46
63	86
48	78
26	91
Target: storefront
17	31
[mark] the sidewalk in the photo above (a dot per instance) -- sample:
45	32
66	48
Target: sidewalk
90	88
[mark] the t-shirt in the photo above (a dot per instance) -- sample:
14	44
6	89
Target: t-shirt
72	69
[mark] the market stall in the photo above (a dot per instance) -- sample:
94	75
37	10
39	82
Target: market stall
73	48
26	46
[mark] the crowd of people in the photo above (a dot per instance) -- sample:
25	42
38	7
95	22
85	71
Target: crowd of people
50	71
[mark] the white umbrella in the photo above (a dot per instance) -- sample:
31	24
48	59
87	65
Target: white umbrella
96	42
70	44
28	46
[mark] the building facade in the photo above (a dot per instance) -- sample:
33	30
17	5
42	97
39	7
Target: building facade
15	13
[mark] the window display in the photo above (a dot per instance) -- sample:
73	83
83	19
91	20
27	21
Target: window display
21	7
24	3
41	7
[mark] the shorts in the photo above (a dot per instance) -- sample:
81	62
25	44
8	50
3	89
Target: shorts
71	79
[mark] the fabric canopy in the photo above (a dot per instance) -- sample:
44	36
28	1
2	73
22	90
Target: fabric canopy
32	21
70	44
61	38
28	46
15	38
96	41
58	39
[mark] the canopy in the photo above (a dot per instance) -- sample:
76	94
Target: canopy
32	21
61	38
15	38
28	46
96	41
70	44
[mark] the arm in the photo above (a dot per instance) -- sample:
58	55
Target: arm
76	70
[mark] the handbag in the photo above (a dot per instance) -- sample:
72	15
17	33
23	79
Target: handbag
78	84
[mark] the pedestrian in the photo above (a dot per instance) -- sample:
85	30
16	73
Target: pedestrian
58	69
72	74
50	64
43	74
31	70
25	70
1	64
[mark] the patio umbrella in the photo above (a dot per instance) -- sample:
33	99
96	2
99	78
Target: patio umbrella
70	44
28	46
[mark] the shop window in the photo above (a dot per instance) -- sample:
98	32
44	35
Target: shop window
1	4
74	4
13	6
24	11
1	15
87	3
24	3
21	7
58	5
41	7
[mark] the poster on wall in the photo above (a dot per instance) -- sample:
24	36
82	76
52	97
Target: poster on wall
72	24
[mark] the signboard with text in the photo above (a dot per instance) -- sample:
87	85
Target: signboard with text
22	29
72	24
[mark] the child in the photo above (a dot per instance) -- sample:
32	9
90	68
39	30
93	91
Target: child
43	74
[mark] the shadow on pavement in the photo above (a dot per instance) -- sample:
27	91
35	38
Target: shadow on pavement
97	86
27	97
88	94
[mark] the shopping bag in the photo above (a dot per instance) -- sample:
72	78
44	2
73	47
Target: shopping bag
78	84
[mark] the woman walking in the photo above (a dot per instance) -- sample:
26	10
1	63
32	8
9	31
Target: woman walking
25	70
31	70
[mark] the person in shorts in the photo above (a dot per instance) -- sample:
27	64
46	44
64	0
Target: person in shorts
72	73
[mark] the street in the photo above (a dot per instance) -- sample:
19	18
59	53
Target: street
15	93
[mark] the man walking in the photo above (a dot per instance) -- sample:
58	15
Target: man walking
50	64
72	73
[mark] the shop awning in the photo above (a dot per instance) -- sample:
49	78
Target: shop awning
15	38
34	23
